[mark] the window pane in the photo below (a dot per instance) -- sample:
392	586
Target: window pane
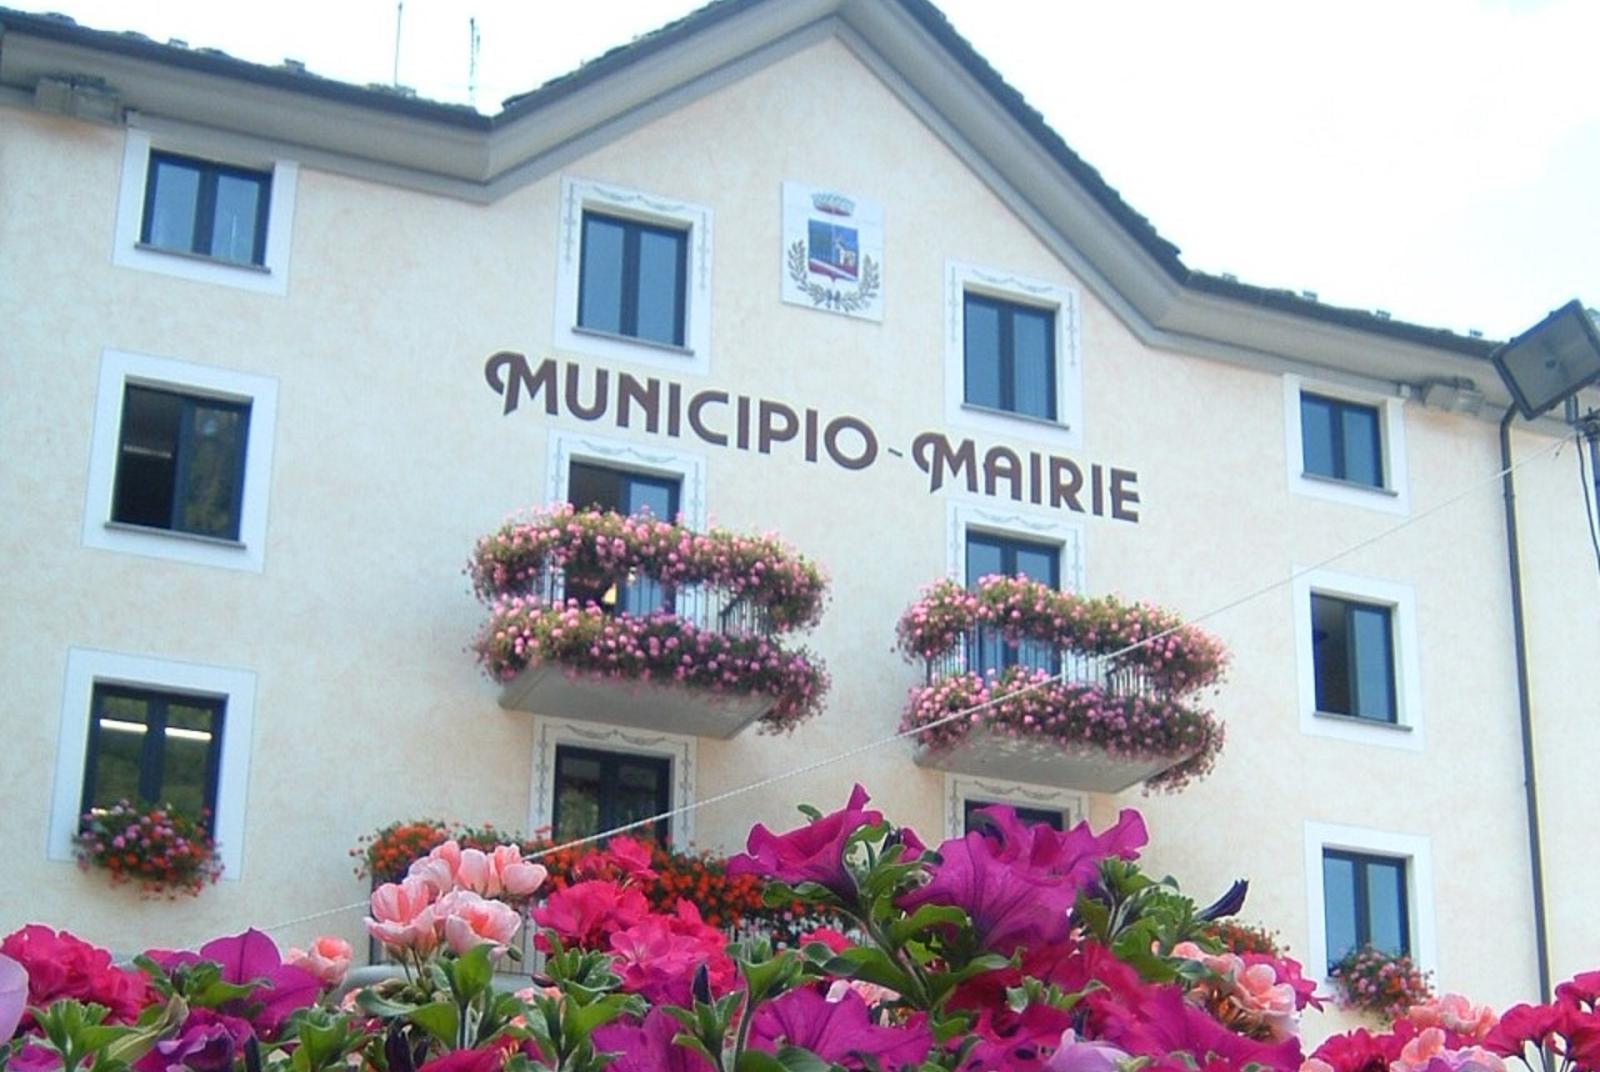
1331	655
1036	563
1316	436
982	353
984	557
120	727
1386	905
1033	358
213	438
657	497
596	486
577	799
1374	662
1339	905
600	288
661	259
170	215
186	759
233	228
1362	461
147	458
639	792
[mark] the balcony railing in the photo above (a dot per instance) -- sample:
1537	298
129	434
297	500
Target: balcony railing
988	652
706	607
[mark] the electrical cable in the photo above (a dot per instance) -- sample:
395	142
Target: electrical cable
993	701
1591	519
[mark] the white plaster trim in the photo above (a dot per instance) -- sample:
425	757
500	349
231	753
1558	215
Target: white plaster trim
1039	527
86	668
272	277
1066	431
690	469
1415	849
1395	495
1407	731
579	194
118	368
682	750
960	788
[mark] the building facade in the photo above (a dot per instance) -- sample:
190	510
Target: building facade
278	351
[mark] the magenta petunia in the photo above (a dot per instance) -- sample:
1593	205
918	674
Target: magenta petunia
839	1031
812	853
647	1047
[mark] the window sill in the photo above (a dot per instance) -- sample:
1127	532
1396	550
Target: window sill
178	534
1354	485
1013	415
1357	720
633	340
202	258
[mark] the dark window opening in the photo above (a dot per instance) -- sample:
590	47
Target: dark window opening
1353	653
989	554
180	462
1010	356
633	279
592	486
1365	902
206	208
598	790
1054	818
1341	440
154	748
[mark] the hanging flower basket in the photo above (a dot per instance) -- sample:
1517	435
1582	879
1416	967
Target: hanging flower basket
166	852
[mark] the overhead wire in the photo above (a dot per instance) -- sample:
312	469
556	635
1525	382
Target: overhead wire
994	701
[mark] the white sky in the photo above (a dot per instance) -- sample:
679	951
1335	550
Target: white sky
1439	159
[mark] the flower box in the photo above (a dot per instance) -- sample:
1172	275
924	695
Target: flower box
548	689
984	753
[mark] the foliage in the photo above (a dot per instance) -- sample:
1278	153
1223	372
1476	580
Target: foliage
1385	984
165	851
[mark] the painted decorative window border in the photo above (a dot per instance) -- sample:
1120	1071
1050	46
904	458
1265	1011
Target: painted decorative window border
1041	528
87	667
580	194
1395	496
120	367
683	751
690	469
1066	430
960	788
1415	849
271	277
1407	731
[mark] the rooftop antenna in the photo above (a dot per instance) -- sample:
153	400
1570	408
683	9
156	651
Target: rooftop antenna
399	15
473	41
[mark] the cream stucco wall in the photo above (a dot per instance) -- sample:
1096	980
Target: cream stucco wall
392	456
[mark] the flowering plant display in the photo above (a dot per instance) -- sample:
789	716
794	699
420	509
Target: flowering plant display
1385	984
386	854
1135	708
166	852
1010	949
527	625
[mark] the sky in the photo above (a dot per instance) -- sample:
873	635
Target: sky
1436	159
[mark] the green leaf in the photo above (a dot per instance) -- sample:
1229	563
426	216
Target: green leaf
471	973
870	964
925	918
795	1059
439	1019
371	1002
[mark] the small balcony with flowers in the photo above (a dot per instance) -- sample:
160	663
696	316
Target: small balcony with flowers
1029	684
642	623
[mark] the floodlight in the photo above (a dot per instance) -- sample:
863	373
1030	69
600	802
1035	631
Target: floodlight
1551	361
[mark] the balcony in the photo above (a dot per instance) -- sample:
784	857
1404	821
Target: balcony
644	624
1028	684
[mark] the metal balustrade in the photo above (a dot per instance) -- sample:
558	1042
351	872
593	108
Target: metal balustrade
987	651
706	607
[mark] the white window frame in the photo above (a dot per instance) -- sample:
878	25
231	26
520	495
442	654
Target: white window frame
87	668
961	788
119	368
269	277
963	517
550	732
689	469
1395	496
1066	431
579	195
1417	852
1407	730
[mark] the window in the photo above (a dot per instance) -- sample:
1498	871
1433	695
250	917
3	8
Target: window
153	729
154	747
1345	445
206	208
1364	903
1341	440
1051	817
1010	356
633	282
591	485
987	554
1358	659
633	279
598	790
1353	648
964	794
180	462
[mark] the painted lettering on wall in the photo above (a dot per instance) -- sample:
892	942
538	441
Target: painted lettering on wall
714	416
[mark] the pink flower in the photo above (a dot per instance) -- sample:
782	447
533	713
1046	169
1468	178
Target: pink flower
328	959
403	916
517	877
60	965
840	1031
1455	1013
1081	1055
471	920
813	853
13	996
586	914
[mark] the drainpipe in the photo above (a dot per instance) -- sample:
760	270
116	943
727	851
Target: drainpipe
1529	781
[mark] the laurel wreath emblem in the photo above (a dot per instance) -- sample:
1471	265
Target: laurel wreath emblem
842	301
